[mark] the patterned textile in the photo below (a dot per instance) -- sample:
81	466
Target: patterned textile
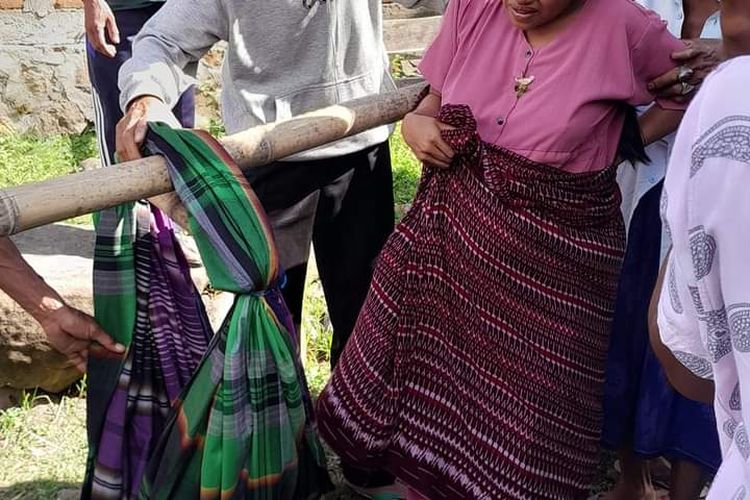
704	308
241	416
145	297
476	367
243	426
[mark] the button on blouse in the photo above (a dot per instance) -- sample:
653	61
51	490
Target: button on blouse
557	104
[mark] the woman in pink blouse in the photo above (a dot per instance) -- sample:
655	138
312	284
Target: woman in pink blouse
477	364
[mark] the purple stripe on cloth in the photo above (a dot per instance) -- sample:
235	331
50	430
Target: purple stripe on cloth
178	318
170	338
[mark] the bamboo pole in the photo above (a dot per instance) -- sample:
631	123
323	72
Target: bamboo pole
31	205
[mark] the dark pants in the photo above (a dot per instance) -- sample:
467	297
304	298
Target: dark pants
103	73
344	206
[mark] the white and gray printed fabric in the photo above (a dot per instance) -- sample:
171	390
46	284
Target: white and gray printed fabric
704	310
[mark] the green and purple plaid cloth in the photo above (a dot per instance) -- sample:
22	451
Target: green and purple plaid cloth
167	421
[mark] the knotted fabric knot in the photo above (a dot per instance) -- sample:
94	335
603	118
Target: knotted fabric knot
463	139
278	284
242	426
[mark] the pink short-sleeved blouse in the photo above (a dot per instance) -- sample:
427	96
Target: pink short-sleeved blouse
569	117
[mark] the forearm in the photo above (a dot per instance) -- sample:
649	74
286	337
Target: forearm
657	123
679	377
430	105
23	285
176	36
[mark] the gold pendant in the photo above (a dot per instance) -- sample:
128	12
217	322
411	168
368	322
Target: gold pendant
522	84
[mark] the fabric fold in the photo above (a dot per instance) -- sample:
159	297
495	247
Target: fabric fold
188	413
243	427
477	363
145	298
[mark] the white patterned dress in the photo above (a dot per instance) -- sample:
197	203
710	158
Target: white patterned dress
704	310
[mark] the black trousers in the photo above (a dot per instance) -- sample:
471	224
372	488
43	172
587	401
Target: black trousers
344	207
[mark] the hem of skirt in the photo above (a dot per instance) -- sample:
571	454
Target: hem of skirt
670	452
413	479
393	463
417	477
679	454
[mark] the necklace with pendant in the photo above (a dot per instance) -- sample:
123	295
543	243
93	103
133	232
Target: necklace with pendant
522	85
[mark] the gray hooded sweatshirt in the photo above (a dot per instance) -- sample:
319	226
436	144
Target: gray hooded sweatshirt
283	57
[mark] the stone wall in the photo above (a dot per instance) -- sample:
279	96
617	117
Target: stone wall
44	86
43	82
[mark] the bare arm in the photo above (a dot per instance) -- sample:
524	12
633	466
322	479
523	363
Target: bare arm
702	57
657	123
26	287
682	379
430	105
68	330
101	27
421	131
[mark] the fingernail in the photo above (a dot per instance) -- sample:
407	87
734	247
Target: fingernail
120	347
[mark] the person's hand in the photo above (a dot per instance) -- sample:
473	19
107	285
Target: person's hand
101	27
422	134
131	130
698	58
75	334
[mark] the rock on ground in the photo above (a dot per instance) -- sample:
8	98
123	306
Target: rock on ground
63	256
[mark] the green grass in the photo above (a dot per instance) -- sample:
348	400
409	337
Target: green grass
398	66
26	159
406	169
42	447
316	333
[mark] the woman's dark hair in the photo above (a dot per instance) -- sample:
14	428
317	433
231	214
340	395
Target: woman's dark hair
631	147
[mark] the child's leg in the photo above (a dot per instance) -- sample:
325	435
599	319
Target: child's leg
688	480
635	479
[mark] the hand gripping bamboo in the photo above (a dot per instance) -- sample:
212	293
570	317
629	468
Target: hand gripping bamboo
30	205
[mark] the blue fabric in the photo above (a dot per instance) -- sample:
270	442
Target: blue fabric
640	407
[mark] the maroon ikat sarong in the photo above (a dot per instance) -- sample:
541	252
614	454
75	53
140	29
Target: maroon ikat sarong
477	364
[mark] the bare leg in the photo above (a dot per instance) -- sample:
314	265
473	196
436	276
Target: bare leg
687	481
634	482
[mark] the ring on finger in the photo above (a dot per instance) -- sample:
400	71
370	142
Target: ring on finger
686	88
685	73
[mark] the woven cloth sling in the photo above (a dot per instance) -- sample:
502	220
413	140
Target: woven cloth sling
187	413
